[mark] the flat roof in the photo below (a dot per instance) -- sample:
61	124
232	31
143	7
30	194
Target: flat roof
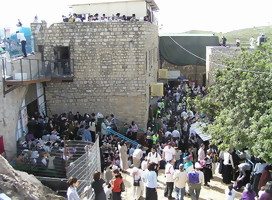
152	3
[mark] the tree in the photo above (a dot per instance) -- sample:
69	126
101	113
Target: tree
239	104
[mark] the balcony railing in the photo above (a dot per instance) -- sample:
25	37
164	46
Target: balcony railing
28	71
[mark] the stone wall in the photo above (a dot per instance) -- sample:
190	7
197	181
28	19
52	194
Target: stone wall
190	72
114	64
215	57
9	115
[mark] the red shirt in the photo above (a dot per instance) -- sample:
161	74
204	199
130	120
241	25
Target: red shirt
117	184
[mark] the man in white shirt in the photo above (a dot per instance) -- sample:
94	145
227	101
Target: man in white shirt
176	134
137	156
169	172
228	166
180	179
201	153
167	133
168	152
159	104
22	39
153	157
183	114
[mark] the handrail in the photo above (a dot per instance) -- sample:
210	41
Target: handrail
129	124
123	137
25	71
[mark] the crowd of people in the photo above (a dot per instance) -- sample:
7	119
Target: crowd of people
188	162
97	18
169	144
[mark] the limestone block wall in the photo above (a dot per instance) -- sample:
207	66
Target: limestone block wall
114	63
190	72
9	115
215	57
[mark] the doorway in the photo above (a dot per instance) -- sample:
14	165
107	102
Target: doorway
33	109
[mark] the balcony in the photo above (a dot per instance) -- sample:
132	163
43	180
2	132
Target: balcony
32	69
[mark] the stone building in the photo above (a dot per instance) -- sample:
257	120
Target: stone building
215	57
105	67
113	65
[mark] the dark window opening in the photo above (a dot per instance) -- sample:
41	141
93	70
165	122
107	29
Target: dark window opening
62	65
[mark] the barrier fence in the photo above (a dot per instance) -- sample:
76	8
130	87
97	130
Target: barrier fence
84	167
55	163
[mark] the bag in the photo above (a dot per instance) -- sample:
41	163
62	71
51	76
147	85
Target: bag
136	182
123	187
193	177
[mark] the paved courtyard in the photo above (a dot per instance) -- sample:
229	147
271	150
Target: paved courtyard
216	191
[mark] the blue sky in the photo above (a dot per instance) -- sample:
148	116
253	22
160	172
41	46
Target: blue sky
175	15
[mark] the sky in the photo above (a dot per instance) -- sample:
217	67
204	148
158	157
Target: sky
175	16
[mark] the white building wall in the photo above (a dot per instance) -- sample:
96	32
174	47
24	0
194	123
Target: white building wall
124	8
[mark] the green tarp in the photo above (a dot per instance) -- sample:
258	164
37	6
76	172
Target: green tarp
190	44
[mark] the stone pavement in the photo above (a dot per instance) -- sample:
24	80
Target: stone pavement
216	191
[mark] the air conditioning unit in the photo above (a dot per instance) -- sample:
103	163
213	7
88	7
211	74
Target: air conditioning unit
157	89
163	73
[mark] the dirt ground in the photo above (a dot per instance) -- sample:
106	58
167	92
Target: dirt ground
216	191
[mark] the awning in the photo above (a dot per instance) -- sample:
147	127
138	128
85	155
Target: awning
197	129
180	50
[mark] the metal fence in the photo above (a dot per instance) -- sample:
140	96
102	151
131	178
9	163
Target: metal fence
84	167
34	69
49	159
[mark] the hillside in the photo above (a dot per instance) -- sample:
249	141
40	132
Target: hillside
242	34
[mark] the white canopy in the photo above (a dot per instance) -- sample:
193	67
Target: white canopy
197	129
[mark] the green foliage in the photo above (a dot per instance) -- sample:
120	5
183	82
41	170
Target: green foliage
239	104
242	34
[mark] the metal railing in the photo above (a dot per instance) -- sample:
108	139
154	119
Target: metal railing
249	161
124	122
110	131
24	70
84	167
58	156
72	158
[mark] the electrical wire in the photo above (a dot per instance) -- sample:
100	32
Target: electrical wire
222	66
